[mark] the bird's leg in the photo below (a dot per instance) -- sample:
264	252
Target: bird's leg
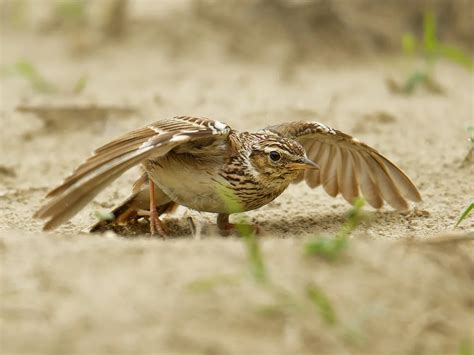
156	226
226	228
128	215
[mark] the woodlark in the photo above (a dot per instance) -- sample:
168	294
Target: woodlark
207	166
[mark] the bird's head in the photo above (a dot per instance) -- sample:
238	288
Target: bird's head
280	158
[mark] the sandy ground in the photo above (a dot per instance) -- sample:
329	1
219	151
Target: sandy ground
67	292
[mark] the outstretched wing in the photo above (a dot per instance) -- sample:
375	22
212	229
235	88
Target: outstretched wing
113	159
347	165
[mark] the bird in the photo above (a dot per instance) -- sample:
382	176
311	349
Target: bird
205	165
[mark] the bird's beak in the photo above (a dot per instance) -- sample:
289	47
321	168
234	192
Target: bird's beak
305	163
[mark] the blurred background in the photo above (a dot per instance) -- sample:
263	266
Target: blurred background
397	74
254	30
82	48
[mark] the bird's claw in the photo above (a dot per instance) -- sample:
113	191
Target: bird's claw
157	227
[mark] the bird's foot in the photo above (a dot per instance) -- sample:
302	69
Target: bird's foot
157	227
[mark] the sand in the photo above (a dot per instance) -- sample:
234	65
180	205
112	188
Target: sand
396	289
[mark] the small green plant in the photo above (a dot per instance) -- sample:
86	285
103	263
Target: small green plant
285	300
80	85
30	73
432	50
465	213
38	82
331	247
71	13
257	266
254	255
322	303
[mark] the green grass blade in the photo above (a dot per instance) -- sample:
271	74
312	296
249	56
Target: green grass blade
257	266
72	11
430	42
466	212
254	253
331	248
28	71
457	56
413	81
322	303
354	217
408	44
80	85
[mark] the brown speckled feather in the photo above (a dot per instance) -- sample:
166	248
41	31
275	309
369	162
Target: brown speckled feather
113	159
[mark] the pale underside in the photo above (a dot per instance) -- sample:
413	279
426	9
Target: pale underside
192	181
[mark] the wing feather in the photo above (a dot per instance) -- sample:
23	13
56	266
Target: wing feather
369	190
312	176
113	159
386	185
403	182
347	165
66	205
329	173
104	157
349	185
316	177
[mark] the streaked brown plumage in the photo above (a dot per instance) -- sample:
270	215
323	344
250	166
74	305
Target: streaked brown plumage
205	165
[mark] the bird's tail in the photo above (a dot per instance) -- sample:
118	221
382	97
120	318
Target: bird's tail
95	174
131	207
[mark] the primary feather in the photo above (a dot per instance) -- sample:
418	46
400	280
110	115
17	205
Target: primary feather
113	159
347	164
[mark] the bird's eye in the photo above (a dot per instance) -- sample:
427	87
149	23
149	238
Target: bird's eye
275	156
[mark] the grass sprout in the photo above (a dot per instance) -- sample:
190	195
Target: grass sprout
38	82
284	300
331	247
432	50
257	266
71	12
30	73
254	254
465	213
322	303
80	85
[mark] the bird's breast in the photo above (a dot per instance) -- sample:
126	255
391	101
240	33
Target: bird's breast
191	181
210	184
